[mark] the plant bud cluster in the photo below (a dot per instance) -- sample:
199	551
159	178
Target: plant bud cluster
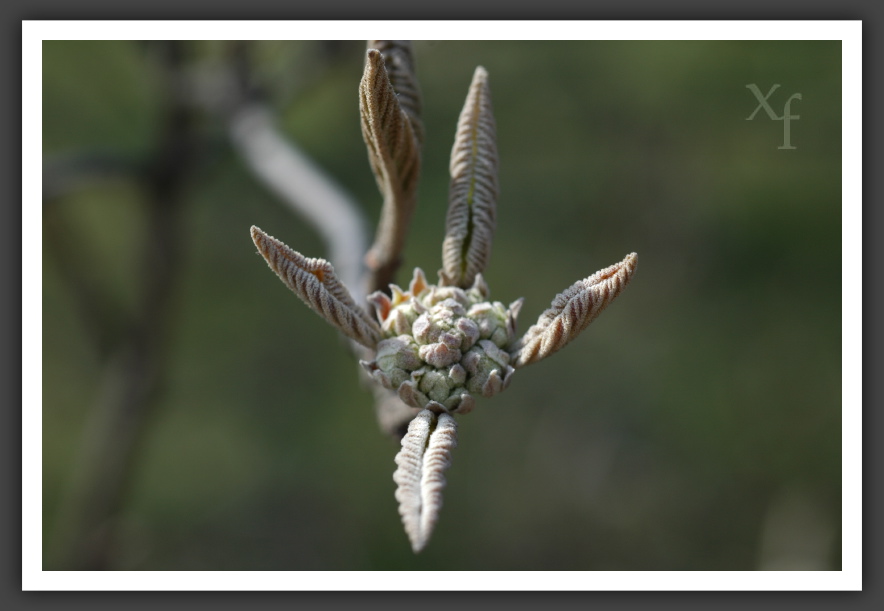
443	345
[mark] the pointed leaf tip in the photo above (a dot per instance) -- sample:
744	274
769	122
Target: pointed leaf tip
572	311
314	281
473	191
421	464
398	58
389	104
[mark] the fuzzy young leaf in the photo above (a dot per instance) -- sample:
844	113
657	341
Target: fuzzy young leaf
422	461
394	154
315	282
399	63
571	311
472	198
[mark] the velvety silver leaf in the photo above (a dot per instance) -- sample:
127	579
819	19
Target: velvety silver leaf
315	282
472	198
394	154
571	311
422	461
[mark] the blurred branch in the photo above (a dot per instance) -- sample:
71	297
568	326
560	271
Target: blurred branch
63	175
311	193
392	414
304	187
281	166
102	317
86	525
67	173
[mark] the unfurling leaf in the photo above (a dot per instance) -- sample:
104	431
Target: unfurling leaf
422	461
394	153
571	311
472	198
399	62
315	282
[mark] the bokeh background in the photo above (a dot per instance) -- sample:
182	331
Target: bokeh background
696	425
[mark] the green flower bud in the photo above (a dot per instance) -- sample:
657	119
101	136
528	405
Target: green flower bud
445	344
488	368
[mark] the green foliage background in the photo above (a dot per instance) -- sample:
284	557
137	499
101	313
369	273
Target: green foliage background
695	425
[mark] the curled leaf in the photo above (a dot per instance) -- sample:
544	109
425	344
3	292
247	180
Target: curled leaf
422	461
571	311
394	154
315	282
472	197
399	62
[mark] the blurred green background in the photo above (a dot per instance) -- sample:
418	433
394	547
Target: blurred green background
695	425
